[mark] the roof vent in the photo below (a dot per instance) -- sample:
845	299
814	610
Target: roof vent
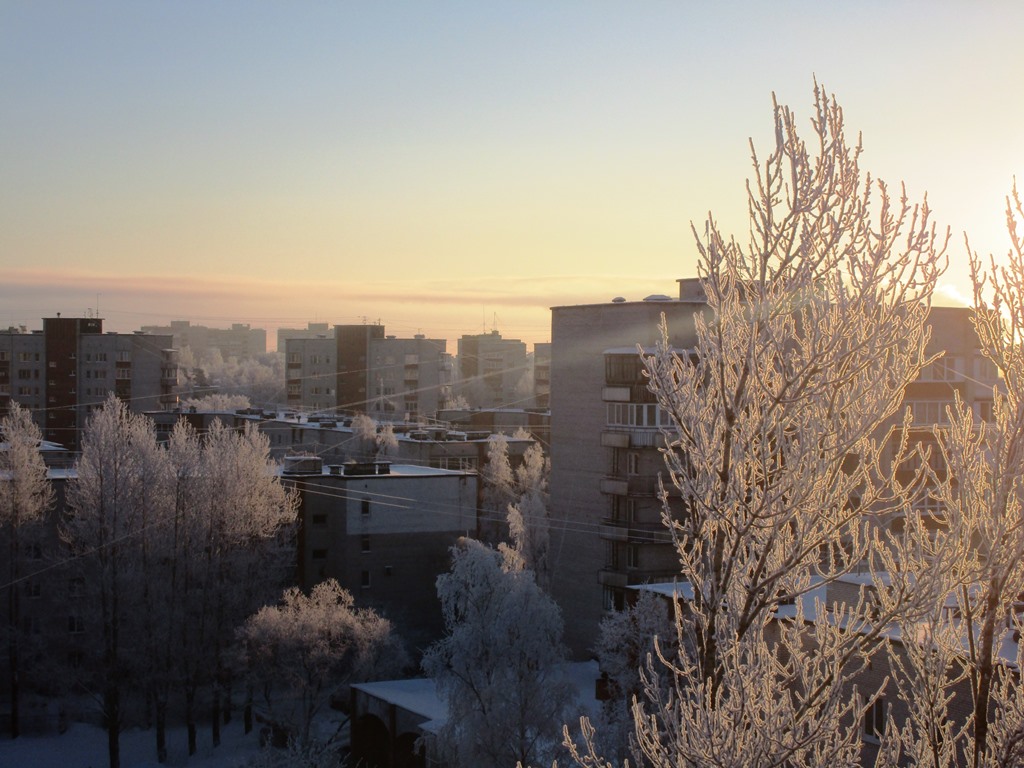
658	297
618	300
303	465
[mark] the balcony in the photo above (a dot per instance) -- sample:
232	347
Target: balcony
632	437
634	485
634	532
613	530
612	578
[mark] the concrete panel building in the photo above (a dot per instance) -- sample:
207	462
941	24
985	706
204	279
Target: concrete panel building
383	531
69	368
359	369
491	370
606	432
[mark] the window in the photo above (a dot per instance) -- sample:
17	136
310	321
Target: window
319	554
946	368
364	543
873	725
33	588
928	412
4	355
5	389
24	357
634	415
364	580
24	373
623	370
365	507
76	586
30	625
632	463
613	599
76	625
124	356
101	357
611	555
633	556
124	373
320	519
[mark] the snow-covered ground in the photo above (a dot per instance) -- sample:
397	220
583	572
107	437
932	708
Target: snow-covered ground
85	746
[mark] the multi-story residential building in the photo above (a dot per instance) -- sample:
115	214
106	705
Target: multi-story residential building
311	371
606	432
409	378
542	375
360	369
383	531
491	371
239	341
311	331
69	367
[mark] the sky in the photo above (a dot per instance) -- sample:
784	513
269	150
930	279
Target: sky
454	167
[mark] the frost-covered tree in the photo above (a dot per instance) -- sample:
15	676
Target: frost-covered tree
778	450
980	544
499	667
25	496
626	643
371	439
115	501
299	652
259	379
237	564
528	519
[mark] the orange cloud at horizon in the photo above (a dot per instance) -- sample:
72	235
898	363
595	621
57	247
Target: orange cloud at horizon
444	308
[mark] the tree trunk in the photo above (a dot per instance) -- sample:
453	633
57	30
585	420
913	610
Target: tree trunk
247	712
190	718
12	647
215	715
161	730
112	716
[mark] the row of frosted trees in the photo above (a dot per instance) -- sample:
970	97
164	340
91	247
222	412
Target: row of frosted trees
167	548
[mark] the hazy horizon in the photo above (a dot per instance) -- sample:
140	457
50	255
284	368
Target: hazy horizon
453	168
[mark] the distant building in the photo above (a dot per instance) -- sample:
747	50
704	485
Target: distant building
67	369
383	531
239	341
311	331
360	370
542	375
492	371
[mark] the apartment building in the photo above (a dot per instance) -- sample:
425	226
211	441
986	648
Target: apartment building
311	331
68	368
360	369
542	375
492	371
239	341
606	432
383	531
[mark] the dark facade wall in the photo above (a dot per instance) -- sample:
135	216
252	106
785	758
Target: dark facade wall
352	351
580	336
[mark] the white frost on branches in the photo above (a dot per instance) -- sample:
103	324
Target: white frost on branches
301	651
499	668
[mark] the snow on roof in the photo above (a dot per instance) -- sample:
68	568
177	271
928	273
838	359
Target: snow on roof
419	695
